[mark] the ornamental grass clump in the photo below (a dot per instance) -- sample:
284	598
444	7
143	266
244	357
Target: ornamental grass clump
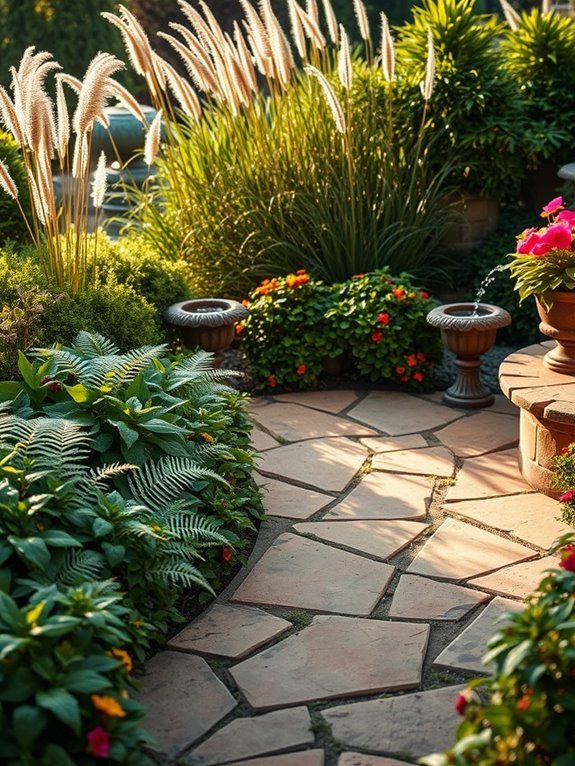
281	165
523	713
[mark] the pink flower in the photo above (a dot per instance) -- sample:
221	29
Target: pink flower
525	246
552	207
557	236
568	216
567	496
567	558
98	742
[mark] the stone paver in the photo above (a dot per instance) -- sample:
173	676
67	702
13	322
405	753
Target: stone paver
480	433
392	443
432	461
306	758
418	598
517	581
530	517
325	464
328	401
504	406
184	698
261	441
334	657
281	499
385	496
457	551
467	650
294	423
298	572
229	631
491	475
361	759
380	539
251	737
410	725
396	413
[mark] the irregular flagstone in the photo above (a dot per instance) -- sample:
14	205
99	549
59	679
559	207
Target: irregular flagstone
229	631
184	698
381	539
326	464
411	725
328	401
294	423
262	441
457	551
385	496
480	433
530	517
396	413
306	574
392	443
490	475
504	406
466	651
361	759
304	758
418	598
334	657
431	461
288	501
252	737
519	580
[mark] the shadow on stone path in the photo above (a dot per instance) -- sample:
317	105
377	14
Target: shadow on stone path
398	531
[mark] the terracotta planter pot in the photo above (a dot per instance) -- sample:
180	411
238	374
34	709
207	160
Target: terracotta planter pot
558	323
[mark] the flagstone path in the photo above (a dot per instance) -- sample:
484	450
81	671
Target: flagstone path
399	531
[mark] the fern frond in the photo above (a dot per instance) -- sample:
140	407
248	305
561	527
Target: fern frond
80	565
183	573
193	527
92	345
99	476
156	484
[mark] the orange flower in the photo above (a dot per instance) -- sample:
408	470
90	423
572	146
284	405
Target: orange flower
399	293
357	276
108	705
400	370
272	381
207	437
300	272
411	360
418	376
301	369
384	318
239	329
122	655
246	303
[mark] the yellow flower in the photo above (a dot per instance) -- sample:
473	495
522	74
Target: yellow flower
108	705
207	437
121	654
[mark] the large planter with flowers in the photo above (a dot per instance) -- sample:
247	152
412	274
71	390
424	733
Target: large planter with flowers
544	266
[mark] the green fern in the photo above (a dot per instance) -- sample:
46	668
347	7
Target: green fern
183	573
156	484
80	565
93	345
197	528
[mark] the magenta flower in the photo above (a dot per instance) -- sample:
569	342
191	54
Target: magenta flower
98	742
552	207
557	236
566	497
567	216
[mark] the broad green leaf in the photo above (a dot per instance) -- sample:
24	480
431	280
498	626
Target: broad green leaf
85	682
32	549
62	705
57	538
28	722
82	395
9	390
128	435
26	370
54	755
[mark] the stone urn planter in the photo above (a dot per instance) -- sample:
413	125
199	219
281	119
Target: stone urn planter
207	323
469	330
558	323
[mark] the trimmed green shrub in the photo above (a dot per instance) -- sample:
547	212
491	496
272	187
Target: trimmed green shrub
523	713
12	225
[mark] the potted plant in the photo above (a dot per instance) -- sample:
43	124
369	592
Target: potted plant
544	266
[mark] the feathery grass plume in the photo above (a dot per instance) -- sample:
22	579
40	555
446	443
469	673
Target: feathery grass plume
62	121
10	118
362	20
204	78
152	144
99	183
212	22
80	159
37	200
330	97
236	77
136	54
192	42
207	38
387	51
427	89
7	182
72	82
511	15
297	29
94	91
245	58
183	92
331	21
282	55
344	68
312	30
312	12
258	37
546	6
126	99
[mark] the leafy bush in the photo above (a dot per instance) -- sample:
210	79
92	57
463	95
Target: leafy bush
564	479
296	323
12	225
523	712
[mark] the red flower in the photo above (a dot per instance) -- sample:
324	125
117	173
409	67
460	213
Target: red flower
565	450
226	554
399	293
357	276
523	703
418	376
567	496
384	318
272	381
567	558
420	357
301	370
411	360
423	294
400	370
239	329
98	742
299	272
377	336
404	378
461	702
